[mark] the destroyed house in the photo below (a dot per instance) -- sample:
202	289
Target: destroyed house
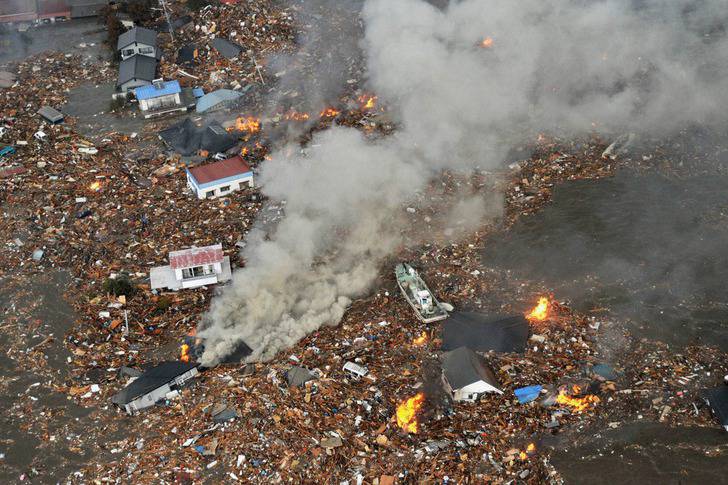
138	41
227	49
154	385
186	138
192	268
50	114
466	376
482	333
215	100
219	178
135	72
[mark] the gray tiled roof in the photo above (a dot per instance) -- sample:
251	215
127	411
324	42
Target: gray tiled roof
137	34
137	67
463	367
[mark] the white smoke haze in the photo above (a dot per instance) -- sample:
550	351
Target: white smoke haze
560	66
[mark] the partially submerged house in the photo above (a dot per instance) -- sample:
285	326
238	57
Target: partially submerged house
717	399
219	178
161	97
192	268
186	138
479	332
154	385
51	115
298	376
138	41
136	71
466	376
227	49
219	99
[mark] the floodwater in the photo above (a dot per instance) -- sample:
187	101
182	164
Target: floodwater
647	248
650	250
78	36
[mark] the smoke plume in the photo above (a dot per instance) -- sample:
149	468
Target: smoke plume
466	83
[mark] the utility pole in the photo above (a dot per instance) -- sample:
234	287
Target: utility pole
166	15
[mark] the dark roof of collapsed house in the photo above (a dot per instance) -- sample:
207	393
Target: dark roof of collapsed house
137	34
718	400
186	138
152	379
228	49
137	67
480	332
463	367
298	376
186	54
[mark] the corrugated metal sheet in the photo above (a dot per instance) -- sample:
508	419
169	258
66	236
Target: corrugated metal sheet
167	87
220	170
189	258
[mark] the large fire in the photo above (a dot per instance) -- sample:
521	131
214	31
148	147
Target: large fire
250	124
529	451
329	113
577	404
487	42
184	354
541	311
407	412
367	101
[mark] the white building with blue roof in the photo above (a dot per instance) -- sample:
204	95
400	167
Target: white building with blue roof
158	95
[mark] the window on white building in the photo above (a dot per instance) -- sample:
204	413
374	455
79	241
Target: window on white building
225	188
211	193
128	52
146	50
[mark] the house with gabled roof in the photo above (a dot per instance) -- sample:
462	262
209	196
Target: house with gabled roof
192	268
466	376
219	178
138	41
154	385
136	71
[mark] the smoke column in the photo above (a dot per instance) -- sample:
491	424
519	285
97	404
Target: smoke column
560	66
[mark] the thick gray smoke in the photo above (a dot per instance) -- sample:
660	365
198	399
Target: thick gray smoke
559	66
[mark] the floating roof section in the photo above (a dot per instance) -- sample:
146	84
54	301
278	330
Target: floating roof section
219	170
483	333
51	114
228	49
298	376
188	258
151	380
157	89
137	67
214	99
137	34
463	367
717	399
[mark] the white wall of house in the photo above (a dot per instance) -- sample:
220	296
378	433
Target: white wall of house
166	101
151	398
218	190
138	48
134	83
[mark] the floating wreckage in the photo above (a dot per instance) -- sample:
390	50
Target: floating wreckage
418	295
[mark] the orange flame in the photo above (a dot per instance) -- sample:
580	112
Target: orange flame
244	151
421	340
529	451
367	101
487	42
407	412
294	115
95	186
541	311
184	355
577	404
250	124
329	113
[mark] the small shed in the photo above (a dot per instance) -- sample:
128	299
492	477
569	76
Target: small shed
192	268
51	114
136	71
227	49
154	385
217	100
138	41
219	178
466	376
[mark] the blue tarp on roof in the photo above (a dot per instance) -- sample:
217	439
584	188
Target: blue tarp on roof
198	92
156	90
215	98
